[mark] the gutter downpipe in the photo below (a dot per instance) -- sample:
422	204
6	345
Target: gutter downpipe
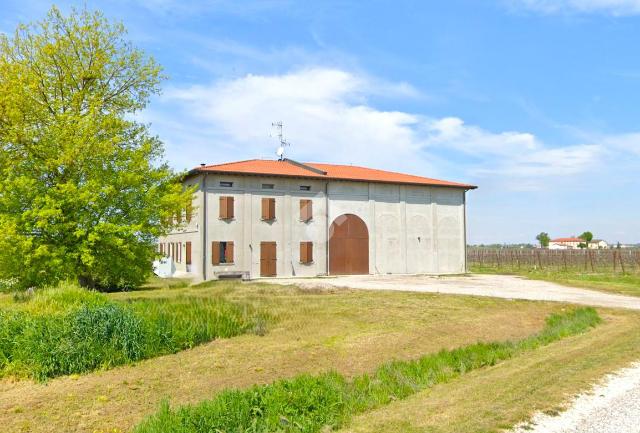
464	219
326	218
204	228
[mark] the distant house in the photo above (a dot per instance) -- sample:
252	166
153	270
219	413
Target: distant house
573	244
265	218
565	243
598	244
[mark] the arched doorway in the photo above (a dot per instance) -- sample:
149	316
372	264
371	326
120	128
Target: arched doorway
348	246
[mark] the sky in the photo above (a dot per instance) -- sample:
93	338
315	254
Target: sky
534	101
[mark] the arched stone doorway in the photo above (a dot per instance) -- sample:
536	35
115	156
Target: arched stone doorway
348	246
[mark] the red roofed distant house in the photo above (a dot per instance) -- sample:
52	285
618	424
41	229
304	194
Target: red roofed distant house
268	218
573	243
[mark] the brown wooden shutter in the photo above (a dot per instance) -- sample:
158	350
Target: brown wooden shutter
306	252
265	208
309	252
223	208
306	212
229	252
272	208
188	254
230	207
215	253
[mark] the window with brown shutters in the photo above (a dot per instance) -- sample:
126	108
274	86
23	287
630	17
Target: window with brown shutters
226	208
188	253
268	209
306	210
221	253
306	252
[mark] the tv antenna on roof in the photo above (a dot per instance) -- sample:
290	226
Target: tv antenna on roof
283	142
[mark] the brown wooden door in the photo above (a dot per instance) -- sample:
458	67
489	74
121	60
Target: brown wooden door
348	246
268	259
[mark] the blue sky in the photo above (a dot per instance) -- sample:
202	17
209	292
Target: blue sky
535	101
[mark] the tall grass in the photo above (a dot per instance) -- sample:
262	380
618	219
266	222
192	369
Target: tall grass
317	403
70	330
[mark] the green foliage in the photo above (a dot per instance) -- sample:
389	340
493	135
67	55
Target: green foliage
83	188
544	239
586	237
72	330
321	403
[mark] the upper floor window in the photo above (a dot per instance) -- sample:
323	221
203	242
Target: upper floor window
306	210
226	208
226	184
268	186
268	209
305	188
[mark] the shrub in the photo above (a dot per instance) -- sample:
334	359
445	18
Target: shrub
71	330
310	404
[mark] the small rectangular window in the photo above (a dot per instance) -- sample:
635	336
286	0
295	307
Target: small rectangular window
221	253
306	252
226	184
268	186
268	209
305	188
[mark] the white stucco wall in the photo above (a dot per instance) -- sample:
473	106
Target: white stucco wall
412	229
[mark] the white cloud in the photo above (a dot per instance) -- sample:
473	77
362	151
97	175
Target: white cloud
613	7
324	111
328	118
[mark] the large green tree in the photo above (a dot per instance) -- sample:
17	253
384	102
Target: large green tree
84	191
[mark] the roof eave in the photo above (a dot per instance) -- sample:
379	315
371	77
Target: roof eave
199	170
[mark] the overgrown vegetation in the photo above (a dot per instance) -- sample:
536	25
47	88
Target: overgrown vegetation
310	403
70	330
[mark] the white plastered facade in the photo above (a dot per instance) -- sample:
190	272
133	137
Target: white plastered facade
413	229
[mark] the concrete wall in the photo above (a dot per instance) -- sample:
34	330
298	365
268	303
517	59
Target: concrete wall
412	229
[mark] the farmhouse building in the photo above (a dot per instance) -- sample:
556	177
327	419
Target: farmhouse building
574	243
268	218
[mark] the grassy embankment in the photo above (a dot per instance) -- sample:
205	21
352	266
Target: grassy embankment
67	330
313	403
621	283
351	333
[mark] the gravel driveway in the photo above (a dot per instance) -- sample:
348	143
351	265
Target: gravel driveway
611	407
500	286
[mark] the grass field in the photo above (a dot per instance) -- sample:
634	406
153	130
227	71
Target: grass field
352	333
325	402
625	284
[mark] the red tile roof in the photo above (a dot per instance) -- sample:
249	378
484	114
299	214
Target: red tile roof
567	240
290	168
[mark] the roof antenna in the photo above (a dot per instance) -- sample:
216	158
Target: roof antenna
283	142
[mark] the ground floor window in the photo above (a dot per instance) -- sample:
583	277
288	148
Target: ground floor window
221	252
